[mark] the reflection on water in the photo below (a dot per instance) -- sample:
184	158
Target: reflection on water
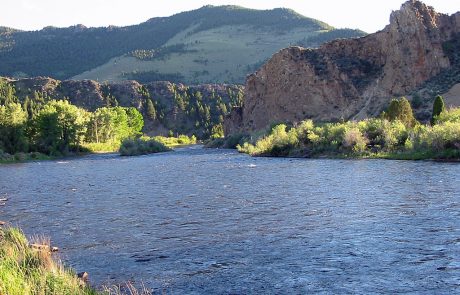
214	221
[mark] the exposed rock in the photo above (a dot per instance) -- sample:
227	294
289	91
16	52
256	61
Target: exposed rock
452	97
40	247
348	78
84	278
2	223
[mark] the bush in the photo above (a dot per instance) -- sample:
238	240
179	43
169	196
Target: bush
452	115
277	143
354	141
141	146
373	137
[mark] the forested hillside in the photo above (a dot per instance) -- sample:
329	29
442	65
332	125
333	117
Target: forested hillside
210	44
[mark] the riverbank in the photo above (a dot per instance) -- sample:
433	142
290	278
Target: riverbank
6	158
141	146
377	138
32	268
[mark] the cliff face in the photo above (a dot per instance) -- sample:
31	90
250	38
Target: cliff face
179	107
348	78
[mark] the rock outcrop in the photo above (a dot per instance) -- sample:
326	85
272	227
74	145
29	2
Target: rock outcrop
349	78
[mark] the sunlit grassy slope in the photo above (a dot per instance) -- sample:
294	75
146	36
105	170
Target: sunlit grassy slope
224	54
216	44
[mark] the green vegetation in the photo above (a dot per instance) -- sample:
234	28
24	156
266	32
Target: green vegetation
37	127
160	53
210	44
34	128
148	145
326	36
25	270
66	52
438	108
176	141
401	110
141	146
148	76
29	268
394	136
192	112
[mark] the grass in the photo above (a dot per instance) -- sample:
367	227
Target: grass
24	270
102	147
176	141
221	55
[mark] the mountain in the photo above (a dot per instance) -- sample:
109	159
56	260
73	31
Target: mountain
417	54
211	44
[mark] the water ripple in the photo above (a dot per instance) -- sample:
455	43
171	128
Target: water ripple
215	221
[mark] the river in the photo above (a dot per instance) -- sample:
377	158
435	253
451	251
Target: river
198	221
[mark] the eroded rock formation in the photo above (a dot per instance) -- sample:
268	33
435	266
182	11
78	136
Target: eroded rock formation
349	78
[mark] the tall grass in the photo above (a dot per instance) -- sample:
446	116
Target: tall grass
24	270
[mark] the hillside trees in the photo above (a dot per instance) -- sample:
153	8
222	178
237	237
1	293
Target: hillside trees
151	111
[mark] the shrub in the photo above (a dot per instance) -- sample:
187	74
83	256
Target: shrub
376	137
354	141
141	146
452	115
277	143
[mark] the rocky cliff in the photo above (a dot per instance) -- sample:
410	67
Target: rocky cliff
180	108
350	78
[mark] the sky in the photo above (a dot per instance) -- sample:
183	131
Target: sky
367	15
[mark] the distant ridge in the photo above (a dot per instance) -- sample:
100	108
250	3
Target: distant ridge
209	44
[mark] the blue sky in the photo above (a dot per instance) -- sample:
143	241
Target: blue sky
368	15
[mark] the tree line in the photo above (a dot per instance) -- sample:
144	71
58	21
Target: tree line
56	127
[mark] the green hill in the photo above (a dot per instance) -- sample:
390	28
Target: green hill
210	44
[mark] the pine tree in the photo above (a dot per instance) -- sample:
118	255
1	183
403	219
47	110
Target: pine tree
438	108
401	110
151	112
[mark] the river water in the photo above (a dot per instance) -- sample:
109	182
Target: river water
198	221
